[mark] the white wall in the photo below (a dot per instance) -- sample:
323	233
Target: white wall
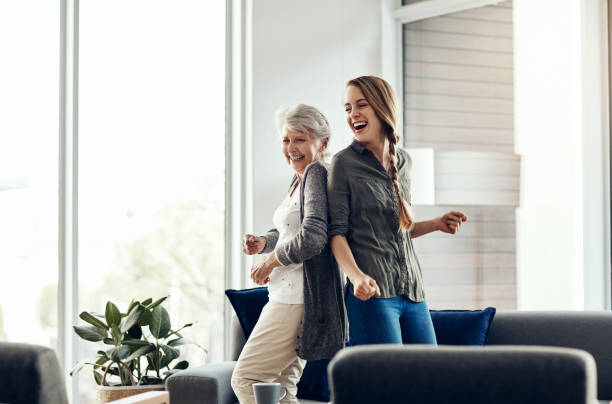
561	238
304	52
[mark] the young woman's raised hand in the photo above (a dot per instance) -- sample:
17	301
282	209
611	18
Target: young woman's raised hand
451	222
252	244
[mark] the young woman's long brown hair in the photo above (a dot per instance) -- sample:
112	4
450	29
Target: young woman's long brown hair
381	97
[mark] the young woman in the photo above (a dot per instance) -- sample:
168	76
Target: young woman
371	226
305	317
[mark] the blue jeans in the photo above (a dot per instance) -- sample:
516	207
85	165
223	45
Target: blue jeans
394	320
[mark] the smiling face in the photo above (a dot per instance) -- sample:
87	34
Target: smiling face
300	149
361	117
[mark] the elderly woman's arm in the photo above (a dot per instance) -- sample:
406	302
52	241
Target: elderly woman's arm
271	238
312	235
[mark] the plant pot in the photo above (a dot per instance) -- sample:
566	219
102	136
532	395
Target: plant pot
104	394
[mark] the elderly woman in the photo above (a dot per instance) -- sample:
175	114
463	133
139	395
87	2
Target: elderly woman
305	317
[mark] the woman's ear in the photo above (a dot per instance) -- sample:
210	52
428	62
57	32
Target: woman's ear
324	145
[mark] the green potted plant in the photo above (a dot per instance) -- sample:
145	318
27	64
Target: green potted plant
139	348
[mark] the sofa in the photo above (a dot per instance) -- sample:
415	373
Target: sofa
509	330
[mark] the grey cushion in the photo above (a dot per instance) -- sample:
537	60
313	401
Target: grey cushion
30	374
424	374
587	330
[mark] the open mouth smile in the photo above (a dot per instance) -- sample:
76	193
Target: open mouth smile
359	125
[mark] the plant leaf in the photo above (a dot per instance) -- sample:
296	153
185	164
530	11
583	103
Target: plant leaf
160	323
119	353
140	352
181	365
151	360
171	353
164	362
131	319
113	316
113	371
145	319
135	331
147	302
133	303
102	359
98	377
77	368
117	334
148	380
93	320
136	342
90	332
179	341
157	302
109	341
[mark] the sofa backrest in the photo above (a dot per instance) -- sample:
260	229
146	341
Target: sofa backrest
587	330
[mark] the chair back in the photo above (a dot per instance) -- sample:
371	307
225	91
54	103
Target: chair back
421	374
30	374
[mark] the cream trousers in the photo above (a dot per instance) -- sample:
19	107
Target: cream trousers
269	353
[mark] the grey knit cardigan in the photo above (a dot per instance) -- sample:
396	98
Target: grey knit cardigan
323	330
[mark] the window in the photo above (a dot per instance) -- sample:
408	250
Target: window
29	97
151	163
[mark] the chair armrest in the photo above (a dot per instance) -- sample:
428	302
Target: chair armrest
210	384
476	375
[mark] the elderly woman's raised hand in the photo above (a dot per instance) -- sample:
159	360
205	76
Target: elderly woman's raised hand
260	273
252	244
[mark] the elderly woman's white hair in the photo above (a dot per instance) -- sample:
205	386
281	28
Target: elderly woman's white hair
303	118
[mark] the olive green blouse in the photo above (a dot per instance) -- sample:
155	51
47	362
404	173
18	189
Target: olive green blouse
363	207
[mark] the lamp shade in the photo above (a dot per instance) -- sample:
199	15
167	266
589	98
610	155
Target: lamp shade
423	188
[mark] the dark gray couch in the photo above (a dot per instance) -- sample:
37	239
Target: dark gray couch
588	331
30	374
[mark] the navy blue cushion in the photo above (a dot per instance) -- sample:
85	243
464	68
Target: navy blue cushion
314	384
462	327
248	304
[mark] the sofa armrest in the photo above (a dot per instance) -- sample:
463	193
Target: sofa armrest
210	383
475	375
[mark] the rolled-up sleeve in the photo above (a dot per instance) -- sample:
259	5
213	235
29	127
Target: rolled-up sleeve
339	197
271	238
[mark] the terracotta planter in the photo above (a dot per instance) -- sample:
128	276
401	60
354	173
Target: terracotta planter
104	394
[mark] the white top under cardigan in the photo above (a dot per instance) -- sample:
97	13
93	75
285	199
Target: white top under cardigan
287	282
